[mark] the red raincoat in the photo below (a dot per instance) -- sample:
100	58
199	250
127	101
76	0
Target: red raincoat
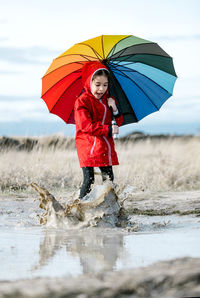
93	118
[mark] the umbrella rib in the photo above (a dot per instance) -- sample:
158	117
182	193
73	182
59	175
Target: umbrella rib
65	91
84	56
128	102
102	47
78	62
123	50
70	115
127	57
130	55
120	60
124	96
140	89
95	52
147	43
149	78
117	44
112	50
59	81
74	55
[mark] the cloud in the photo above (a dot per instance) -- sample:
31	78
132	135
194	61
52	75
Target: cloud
7	72
11	98
2	38
21	108
3	21
177	37
177	110
29	55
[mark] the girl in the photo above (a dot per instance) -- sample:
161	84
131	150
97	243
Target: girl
94	142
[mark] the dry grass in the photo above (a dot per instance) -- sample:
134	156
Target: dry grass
158	165
50	168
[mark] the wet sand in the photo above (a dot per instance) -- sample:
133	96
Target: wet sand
160	203
178	278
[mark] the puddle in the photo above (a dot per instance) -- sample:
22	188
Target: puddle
29	250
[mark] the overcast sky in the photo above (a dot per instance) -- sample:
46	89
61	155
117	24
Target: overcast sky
33	32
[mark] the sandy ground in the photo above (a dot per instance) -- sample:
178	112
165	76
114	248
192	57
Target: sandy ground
160	203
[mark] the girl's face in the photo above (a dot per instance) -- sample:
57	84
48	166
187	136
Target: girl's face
99	86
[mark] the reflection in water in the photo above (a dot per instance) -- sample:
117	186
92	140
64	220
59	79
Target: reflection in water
96	250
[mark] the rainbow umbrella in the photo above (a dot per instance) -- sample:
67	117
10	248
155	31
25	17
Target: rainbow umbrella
142	76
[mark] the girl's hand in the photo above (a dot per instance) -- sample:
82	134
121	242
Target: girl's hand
111	103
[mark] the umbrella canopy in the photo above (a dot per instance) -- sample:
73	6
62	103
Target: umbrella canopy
142	75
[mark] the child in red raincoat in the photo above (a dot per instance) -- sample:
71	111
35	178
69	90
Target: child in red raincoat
94	129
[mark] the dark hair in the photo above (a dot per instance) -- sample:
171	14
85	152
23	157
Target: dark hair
101	72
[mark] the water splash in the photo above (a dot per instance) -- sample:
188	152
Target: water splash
100	208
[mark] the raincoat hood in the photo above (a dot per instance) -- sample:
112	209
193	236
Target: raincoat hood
88	72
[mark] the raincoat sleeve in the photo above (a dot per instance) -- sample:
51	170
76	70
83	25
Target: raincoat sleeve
84	120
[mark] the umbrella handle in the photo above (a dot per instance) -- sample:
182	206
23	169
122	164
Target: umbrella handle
115	136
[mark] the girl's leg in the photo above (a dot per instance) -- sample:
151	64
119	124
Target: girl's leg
107	172
88	179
